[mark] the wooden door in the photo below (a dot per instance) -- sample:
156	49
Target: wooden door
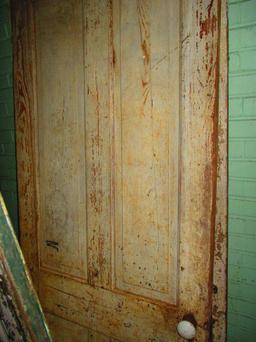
117	142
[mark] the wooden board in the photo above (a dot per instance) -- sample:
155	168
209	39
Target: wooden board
21	315
117	107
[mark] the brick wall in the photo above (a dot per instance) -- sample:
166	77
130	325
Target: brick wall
7	134
242	171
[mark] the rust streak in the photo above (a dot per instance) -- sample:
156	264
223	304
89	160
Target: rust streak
208	25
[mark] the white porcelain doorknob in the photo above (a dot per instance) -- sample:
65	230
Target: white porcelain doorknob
186	329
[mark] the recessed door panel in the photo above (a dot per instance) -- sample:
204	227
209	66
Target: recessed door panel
117	140
61	136
146	121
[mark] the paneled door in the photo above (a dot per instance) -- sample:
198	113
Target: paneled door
117	117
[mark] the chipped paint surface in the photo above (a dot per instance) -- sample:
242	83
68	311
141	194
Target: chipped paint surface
20	309
219	305
24	106
141	132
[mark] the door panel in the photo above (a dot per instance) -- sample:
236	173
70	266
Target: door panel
121	97
63	330
146	154
61	134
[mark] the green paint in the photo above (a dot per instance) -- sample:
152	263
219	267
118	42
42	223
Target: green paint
242	171
8	185
11	251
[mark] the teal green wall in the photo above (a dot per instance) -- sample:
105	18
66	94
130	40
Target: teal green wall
242	172
7	134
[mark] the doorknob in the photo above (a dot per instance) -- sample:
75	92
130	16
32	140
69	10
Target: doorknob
187	327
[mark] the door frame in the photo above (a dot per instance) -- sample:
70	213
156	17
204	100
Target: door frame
25	104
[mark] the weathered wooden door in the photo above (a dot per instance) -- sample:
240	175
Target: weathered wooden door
117	143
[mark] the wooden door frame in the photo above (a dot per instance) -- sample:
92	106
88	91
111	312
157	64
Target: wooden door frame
219	295
25	104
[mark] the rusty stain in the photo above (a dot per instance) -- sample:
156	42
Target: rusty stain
95	193
209	9
113	56
101	250
145	51
144	83
208	25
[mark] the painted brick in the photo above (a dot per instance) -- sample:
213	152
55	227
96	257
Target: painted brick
234	62
242	188
250	149
245	292
243	308
249	106
7	137
242	172
6	48
7	123
235	107
242	129
242	260
239	257
5	81
248	11
242	61
5	65
242	275
240	38
7	134
7	173
236	149
6	102
242	207
242	169
242	225
7	149
244	322
236	334
7	162
243	84
8	185
234	14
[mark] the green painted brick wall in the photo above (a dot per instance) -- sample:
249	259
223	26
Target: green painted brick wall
7	134
242	171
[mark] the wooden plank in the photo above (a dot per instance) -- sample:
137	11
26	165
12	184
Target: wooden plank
98	58
117	137
200	39
25	106
219	305
146	138
66	331
21	313
61	137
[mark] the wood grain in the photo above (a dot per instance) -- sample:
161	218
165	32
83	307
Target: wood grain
127	129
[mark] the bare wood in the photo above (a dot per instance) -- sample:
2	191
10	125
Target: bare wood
61	137
98	61
23	42
220	252
199	164
66	331
137	255
146	144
